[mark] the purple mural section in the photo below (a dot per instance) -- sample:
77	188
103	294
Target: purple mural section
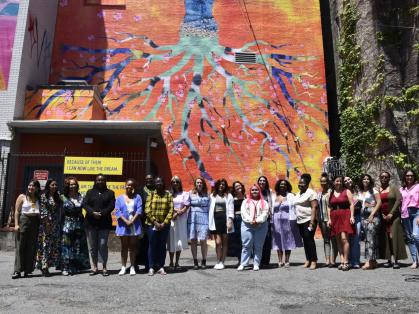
8	18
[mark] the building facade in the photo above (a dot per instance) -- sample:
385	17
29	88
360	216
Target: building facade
232	89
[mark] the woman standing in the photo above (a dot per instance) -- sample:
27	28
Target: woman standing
27	219
159	213
234	239
329	242
391	238
285	234
341	219
99	204
410	213
198	221
128	210
370	219
354	240
178	234
306	207
74	253
254	227
221	216
48	252
263	184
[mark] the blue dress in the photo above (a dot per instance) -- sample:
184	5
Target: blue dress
198	217
121	209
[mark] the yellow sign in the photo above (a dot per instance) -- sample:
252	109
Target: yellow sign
93	165
117	187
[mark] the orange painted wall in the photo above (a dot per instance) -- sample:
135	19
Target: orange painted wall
234	121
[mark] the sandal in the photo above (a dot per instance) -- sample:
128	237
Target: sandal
94	272
345	267
340	266
105	273
45	272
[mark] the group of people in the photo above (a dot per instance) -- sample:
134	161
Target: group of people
61	229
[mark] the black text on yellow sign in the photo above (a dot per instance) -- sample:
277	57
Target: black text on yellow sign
93	165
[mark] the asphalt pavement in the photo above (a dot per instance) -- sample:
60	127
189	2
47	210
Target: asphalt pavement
274	290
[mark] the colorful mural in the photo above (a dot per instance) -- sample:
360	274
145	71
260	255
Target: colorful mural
239	85
63	104
8	18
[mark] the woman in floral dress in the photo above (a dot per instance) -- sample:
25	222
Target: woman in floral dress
48	250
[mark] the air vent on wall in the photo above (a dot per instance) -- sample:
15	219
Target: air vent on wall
245	57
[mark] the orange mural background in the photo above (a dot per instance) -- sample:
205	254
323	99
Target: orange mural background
221	118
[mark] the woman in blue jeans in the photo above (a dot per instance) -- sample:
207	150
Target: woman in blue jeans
354	240
254	212
410	213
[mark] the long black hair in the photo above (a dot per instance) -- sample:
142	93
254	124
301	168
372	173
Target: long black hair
267	188
47	191
371	185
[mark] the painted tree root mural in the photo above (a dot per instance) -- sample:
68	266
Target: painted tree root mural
203	67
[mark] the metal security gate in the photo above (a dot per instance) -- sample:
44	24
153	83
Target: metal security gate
18	169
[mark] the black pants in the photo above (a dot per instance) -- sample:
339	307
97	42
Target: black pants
308	241
267	246
26	240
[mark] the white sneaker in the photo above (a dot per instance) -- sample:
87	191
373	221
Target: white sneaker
132	271
161	271
219	265
151	272
122	271
255	267
240	268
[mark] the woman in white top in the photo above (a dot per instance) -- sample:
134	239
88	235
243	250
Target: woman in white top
306	207
254	212
178	234
221	217
27	219
370	219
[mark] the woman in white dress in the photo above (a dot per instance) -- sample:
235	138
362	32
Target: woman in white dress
178	235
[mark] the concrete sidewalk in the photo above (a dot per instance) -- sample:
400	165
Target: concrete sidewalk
293	290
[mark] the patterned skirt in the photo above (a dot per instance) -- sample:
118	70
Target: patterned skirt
197	225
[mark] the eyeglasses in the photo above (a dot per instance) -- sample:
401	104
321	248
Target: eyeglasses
255	190
175	181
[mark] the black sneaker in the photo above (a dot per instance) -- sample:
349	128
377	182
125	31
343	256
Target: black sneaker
16	275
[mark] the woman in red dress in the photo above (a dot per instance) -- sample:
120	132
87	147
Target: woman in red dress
341	219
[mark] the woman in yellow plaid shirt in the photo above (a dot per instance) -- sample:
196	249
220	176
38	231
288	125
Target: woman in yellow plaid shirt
159	213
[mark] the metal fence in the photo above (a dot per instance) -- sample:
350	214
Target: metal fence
18	169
